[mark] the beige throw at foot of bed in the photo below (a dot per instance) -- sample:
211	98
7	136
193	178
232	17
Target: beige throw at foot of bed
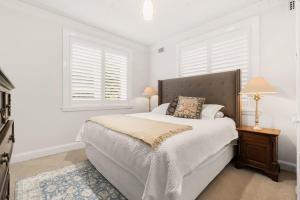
149	131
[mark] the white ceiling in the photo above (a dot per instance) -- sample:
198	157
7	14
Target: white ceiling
124	17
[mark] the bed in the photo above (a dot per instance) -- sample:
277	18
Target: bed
184	164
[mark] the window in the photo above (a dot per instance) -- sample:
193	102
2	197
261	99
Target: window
230	53
223	53
222	50
193	60
227	49
95	74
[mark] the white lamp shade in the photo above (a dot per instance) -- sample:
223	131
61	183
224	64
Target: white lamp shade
258	85
148	10
150	91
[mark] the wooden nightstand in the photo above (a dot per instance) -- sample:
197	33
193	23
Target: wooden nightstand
259	149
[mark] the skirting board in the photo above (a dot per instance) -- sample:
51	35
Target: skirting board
46	152
288	166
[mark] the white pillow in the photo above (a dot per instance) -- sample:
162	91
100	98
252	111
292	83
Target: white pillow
219	114
161	109
209	111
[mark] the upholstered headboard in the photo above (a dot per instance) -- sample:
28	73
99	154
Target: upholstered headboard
218	88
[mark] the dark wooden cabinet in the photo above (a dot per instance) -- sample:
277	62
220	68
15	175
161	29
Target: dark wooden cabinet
7	137
259	149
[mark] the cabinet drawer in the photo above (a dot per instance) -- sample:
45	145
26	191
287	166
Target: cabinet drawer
2	104
256	154
4	192
5	107
250	137
7	139
6	146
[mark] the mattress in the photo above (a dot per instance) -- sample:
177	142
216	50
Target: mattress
161	172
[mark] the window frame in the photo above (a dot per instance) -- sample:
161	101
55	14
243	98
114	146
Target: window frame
71	105
252	26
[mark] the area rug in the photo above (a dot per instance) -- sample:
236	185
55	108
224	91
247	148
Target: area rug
80	181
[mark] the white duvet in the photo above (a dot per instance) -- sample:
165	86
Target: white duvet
162	170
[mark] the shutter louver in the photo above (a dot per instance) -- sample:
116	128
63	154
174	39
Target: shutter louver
86	66
115	76
193	61
231	54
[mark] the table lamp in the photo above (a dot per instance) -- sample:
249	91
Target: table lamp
149	92
256	87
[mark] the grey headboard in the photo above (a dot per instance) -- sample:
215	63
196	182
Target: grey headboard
218	88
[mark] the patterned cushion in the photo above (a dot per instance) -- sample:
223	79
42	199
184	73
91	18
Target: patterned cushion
189	107
172	106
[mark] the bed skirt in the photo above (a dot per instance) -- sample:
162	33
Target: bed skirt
193	183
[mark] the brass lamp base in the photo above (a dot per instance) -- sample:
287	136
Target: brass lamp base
257	127
256	98
149	103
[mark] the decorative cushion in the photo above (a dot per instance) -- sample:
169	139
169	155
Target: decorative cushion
189	107
172	106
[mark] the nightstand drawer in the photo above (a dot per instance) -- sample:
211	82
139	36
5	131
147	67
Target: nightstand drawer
255	154
250	137
255	149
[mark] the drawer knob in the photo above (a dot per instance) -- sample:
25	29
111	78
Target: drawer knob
12	138
8	107
3	113
4	159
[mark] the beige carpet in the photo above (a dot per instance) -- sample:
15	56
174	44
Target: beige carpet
230	184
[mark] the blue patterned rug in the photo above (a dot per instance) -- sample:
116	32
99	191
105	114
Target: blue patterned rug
76	182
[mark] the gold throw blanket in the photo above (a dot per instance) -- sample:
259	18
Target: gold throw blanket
149	131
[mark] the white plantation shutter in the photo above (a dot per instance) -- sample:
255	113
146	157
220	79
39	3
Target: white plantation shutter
115	76
86	67
98	75
231	53
193	60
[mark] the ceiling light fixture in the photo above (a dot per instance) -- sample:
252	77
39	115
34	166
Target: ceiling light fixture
148	10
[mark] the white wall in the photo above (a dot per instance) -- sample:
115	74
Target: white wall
31	56
277	65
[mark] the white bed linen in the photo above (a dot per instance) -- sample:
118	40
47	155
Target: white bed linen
162	170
